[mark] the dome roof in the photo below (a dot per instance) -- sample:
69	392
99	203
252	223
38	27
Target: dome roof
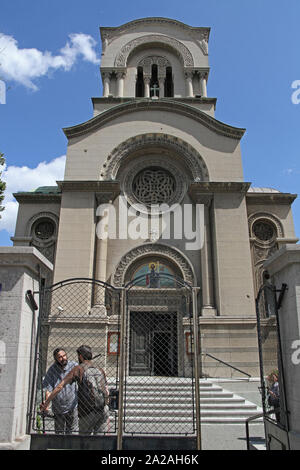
262	190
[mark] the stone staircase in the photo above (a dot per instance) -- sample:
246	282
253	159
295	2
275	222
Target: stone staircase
165	404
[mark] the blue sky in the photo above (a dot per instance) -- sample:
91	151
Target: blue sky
49	61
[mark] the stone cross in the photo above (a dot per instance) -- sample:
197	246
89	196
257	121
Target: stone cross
155	88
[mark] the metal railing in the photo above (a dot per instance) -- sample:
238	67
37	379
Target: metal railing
226	364
248	420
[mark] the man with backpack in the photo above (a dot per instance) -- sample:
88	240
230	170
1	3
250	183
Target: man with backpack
92	393
64	405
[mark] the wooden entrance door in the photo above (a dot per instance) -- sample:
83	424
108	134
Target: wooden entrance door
153	344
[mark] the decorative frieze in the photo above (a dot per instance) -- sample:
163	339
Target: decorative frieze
164	41
190	156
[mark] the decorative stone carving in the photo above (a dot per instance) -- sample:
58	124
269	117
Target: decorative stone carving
189	155
156	250
164	41
203	42
265	216
156	300
154	185
43	229
161	62
41	216
264	229
167	184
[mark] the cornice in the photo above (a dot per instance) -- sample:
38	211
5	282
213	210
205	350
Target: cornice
188	100
109	187
206	189
165	105
271	198
114	31
27	197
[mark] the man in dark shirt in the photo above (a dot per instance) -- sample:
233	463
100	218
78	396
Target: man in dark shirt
91	420
64	405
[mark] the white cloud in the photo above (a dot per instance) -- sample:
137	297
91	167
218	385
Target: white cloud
291	171
26	65
27	179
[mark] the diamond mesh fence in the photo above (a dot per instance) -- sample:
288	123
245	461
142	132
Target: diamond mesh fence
159	378
77	313
78	359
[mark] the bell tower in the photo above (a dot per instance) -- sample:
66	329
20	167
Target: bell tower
154	58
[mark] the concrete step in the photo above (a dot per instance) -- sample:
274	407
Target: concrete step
180	397
237	416
169	407
151	401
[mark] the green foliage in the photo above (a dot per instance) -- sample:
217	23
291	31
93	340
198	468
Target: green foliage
2	183
39	424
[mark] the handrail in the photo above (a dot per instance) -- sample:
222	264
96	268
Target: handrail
226	363
252	418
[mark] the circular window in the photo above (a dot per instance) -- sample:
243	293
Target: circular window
154	183
263	230
154	186
44	229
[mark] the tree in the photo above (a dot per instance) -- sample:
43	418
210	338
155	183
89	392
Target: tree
2	183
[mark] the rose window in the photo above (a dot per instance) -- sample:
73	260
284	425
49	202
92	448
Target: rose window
263	230
44	229
154	186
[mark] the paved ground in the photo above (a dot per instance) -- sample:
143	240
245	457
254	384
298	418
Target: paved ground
214	437
229	437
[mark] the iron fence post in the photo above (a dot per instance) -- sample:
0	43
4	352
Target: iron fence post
196	368
122	369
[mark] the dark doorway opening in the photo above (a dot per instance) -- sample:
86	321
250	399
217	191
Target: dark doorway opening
153	344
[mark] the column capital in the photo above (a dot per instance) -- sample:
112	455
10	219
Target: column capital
120	74
203	75
188	74
106	75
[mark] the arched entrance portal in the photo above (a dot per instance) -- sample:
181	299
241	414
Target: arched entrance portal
158	280
159	320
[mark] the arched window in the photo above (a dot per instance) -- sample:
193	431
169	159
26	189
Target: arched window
43	229
154	85
169	85
139	87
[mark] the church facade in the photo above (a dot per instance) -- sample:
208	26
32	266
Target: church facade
154	185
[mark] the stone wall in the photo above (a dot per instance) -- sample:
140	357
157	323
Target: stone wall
20	271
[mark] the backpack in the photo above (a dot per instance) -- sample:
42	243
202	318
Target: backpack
90	393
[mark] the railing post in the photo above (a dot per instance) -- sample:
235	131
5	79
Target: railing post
122	369
196	368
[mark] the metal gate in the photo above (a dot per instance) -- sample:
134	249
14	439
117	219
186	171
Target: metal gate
144	336
72	313
159	375
275	412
